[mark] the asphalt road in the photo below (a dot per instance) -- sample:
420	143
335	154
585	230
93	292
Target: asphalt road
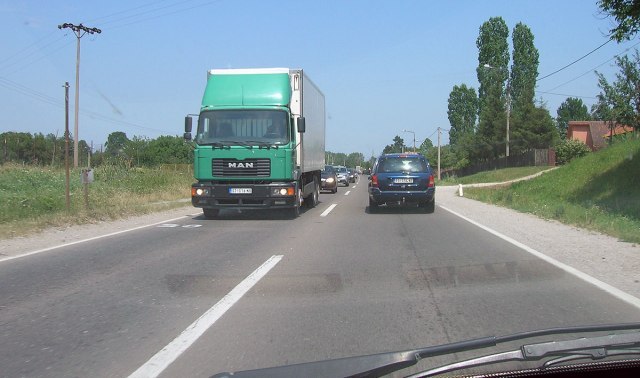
342	283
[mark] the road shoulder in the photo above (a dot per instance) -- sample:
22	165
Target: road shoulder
601	256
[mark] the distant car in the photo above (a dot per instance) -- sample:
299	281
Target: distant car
329	179
342	173
401	179
353	175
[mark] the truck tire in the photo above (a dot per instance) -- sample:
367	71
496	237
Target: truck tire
312	200
210	213
295	211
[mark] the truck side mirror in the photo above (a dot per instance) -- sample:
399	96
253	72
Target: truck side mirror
301	125
188	122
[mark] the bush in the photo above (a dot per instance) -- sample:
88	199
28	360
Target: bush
567	150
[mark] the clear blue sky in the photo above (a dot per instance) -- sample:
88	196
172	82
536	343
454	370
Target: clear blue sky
383	66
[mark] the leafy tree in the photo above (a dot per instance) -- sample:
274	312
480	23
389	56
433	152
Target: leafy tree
524	70
462	111
425	146
397	146
533	128
169	150
621	100
627	15
493	58
116	142
572	109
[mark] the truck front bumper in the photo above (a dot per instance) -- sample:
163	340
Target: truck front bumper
244	196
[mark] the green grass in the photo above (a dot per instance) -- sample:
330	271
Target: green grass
33	198
498	175
600	191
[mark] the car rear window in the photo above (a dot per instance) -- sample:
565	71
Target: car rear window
402	164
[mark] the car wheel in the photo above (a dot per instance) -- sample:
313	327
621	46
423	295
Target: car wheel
428	207
373	206
210	213
335	190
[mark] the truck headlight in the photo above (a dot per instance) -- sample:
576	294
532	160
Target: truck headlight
199	192
289	191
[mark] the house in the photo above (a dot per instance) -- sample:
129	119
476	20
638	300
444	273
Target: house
594	134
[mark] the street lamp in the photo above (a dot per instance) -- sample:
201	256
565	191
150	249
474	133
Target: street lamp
508	104
414	138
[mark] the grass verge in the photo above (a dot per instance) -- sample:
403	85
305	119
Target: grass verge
600	191
498	175
33	198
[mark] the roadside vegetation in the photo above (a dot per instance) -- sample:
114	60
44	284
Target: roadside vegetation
498	175
598	191
32	198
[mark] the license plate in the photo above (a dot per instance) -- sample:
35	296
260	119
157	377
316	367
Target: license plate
239	190
403	181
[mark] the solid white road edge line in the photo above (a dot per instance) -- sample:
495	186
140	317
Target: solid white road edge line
89	239
628	298
161	360
326	212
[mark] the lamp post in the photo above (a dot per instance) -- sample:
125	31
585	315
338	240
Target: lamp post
414	138
508	104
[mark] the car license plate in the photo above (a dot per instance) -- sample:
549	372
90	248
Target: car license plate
239	190
403	181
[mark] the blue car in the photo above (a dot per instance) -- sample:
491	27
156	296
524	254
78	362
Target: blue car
405	178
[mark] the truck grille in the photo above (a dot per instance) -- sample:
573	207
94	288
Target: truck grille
241	168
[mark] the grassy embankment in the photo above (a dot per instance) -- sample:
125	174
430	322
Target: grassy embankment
498	175
600	191
33	198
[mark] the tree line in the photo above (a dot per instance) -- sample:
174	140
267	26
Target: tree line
506	96
49	150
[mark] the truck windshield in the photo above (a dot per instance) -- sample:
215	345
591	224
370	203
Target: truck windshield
243	126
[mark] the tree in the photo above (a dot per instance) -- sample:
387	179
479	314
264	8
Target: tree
534	128
620	101
116	141
396	147
168	150
462	111
627	15
572	109
524	70
493	51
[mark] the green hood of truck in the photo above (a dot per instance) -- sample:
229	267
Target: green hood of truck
247	90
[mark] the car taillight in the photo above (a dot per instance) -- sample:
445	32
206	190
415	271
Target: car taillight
374	180
432	183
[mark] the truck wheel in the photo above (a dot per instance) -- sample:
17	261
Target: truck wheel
313	198
210	213
295	212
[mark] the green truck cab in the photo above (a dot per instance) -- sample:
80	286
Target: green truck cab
259	141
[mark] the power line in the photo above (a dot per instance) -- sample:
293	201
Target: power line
575	61
594	68
566	95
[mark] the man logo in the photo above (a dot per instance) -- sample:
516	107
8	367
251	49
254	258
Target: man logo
240	165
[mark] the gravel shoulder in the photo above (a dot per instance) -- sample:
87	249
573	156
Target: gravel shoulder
601	256
57	236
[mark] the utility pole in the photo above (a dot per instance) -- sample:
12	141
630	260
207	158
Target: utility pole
438	153
79	30
66	144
